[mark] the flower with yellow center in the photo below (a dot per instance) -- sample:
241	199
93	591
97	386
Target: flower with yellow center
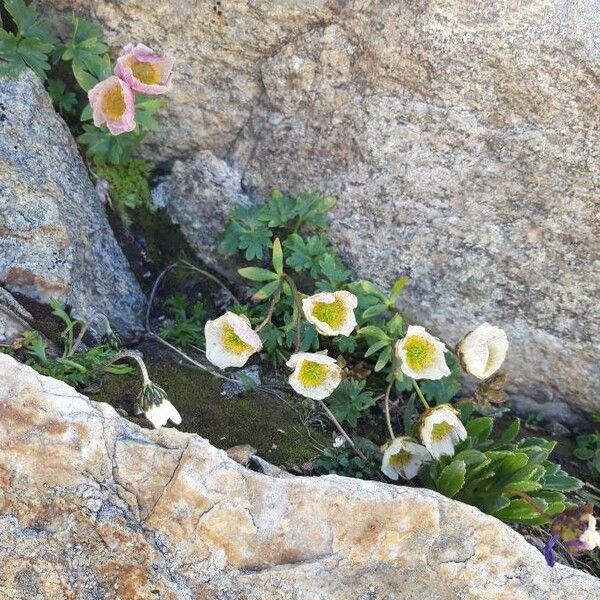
403	457
143	70
230	340
441	430
332	313
315	375
113	103
482	351
421	355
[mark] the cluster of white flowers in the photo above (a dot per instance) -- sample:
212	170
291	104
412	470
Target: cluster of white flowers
231	341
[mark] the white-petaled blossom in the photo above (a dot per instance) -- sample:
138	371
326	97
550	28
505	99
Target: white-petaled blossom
230	340
403	457
441	430
339	442
315	375
332	313
421	355
482	351
159	414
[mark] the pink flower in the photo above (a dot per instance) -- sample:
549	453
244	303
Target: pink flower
113	103
143	70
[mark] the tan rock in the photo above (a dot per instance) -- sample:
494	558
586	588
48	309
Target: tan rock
92	506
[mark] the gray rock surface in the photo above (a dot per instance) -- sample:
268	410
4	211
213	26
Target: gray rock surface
461	139
92	506
14	318
55	240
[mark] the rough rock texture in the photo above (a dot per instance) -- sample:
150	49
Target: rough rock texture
460	137
14	319
55	240
92	506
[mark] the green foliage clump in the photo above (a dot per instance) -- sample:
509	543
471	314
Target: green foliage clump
31	45
129	185
343	460
588	450
76	365
512	480
185	327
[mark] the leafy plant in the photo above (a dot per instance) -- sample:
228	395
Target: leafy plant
129	185
186	326
64	99
30	46
343	460
588	450
513	481
350	400
77	365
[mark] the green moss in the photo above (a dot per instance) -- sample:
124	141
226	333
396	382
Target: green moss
129	186
255	417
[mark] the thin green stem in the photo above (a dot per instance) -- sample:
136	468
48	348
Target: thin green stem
420	394
274	301
298	305
342	430
386	409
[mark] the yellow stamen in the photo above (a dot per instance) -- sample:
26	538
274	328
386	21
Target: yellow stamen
148	73
440	431
400	460
113	102
420	353
334	313
233	342
312	374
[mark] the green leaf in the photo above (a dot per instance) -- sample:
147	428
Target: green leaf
146	120
27	21
480	429
407	416
257	274
443	390
452	478
266	291
397	289
333	270
510	433
583	453
86	113
376	347
83	78
375	332
277	257
471	457
373	311
384	359
519	510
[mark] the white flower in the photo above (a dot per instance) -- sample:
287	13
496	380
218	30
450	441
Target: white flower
332	313
315	375
230	340
482	352
403	457
421	355
590	538
441	430
159	414
339	442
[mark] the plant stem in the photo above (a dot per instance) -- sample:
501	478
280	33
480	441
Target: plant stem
136	356
420	394
386	409
341	430
274	301
535	505
298	305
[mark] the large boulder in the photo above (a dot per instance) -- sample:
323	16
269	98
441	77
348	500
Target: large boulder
461	139
55	240
95	507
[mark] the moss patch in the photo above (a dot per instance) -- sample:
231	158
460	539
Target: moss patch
256	417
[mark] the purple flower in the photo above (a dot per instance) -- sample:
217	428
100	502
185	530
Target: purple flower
143	70
113	103
576	529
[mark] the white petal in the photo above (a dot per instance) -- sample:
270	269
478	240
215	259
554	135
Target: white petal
217	353
159	414
483	350
349	302
442	447
319	392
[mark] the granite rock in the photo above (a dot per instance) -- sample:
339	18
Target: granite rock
55	239
93	506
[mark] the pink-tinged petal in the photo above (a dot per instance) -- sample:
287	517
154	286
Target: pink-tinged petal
98	95
126	69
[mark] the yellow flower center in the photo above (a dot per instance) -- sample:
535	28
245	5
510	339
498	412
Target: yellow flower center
312	374
334	313
440	431
148	73
113	103
233	342
400	459
420	353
